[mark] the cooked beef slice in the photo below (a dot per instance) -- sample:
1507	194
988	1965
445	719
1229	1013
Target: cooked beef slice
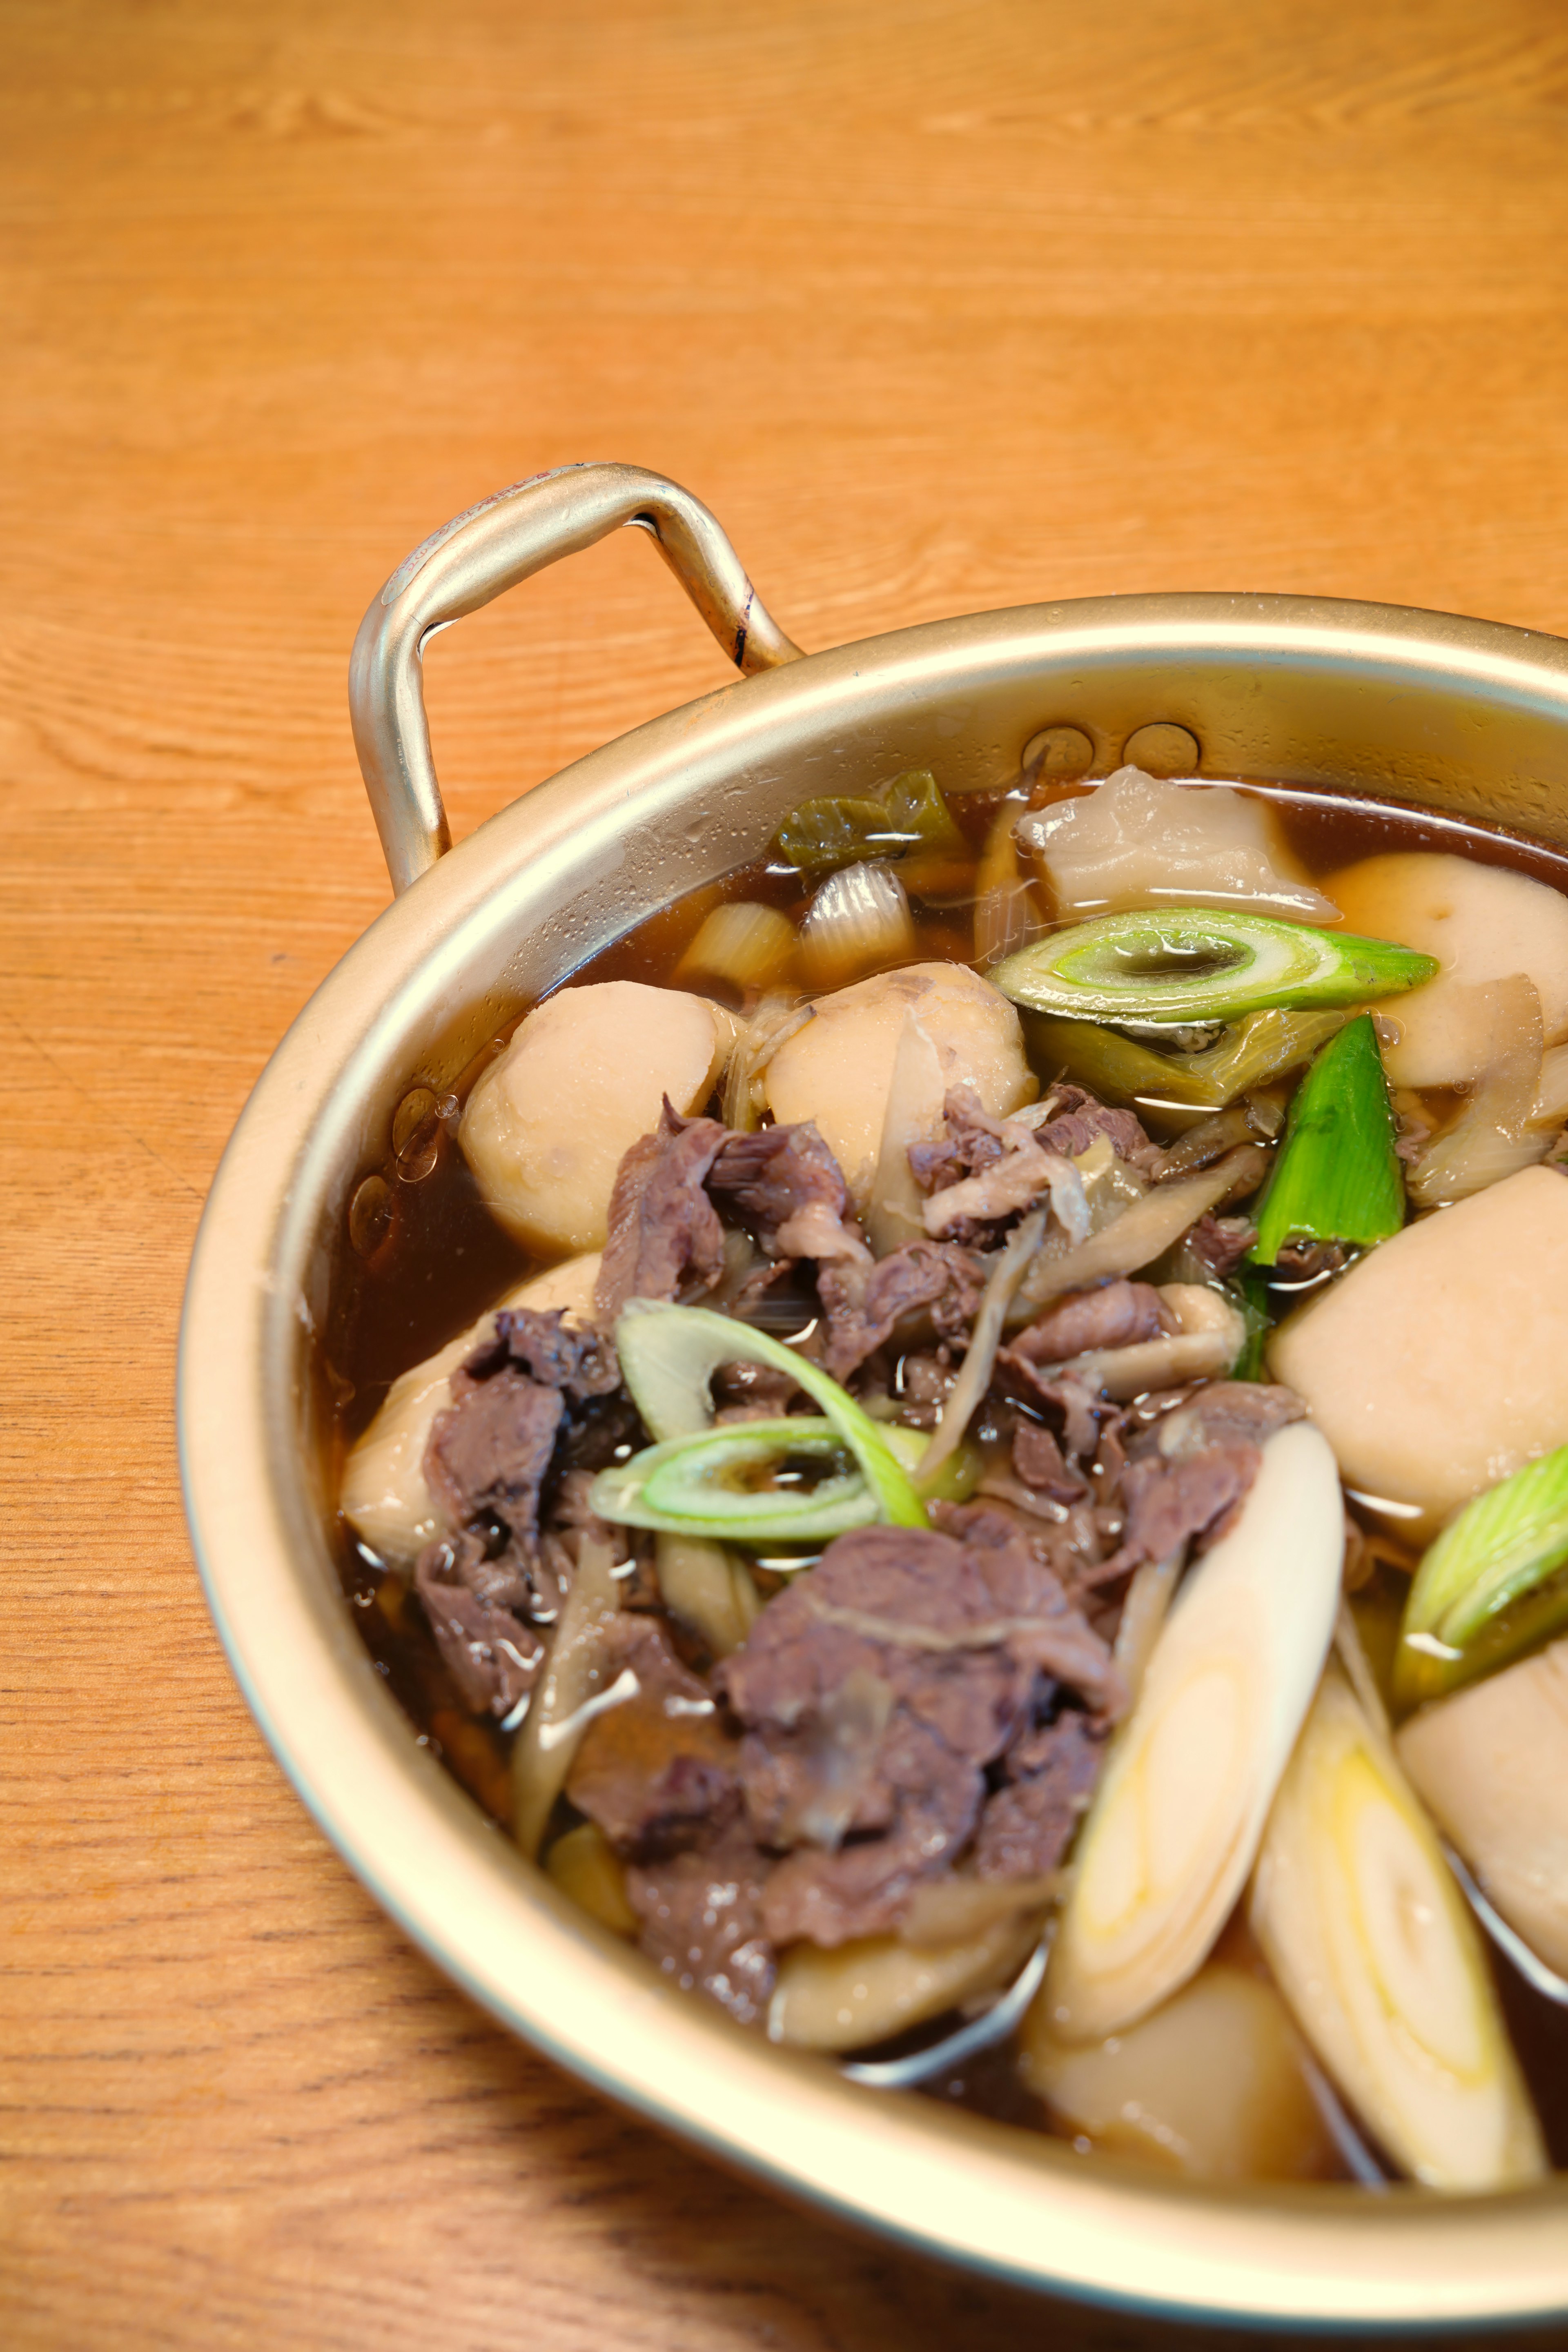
702	1923
658	1772
489	1451
1050	1775
1187	1472
874	1690
1116	1315
493	1657
664	1231
977	1208
1072	1117
863	1303
550	1351
984	1173
787	1185
1221	1243
1037	1464
1305	1260
752	1392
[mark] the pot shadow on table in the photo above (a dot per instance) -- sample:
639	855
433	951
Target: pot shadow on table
761	2271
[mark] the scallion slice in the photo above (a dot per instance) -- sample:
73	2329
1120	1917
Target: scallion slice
1490	1587
706	1486
1337	1176
1184	964
1119	1069
669	1355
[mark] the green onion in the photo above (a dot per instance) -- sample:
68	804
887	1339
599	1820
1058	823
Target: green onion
698	1486
669	1355
1488	1588
1263	1046
1200	963
908	814
1337	1176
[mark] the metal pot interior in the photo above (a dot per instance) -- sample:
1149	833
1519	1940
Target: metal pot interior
1457	717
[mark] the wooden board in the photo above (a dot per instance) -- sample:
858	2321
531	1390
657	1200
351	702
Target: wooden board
940	307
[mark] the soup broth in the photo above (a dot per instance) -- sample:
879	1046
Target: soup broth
425	1258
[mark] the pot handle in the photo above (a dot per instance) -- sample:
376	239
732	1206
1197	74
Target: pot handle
476	556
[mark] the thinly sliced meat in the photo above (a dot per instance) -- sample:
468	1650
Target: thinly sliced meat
1219	1244
863	1304
493	1657
1027	1826
1074	1119
664	1231
490	1450
550	1351
1038	1465
658	1772
1187	1472
874	1690
788	1185
986	1173
1116	1315
702	1923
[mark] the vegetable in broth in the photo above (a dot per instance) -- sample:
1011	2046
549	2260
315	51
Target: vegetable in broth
1003	1268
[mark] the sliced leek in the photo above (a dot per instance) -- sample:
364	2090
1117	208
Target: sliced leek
1337	1177
908	814
710	1485
1264	1047
1199	963
1176	1821
669	1355
1370	1940
1491	1586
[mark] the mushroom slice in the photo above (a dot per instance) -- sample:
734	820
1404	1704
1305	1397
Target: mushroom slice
1179	1811
1370	1943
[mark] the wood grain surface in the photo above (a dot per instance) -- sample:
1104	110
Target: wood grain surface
942	304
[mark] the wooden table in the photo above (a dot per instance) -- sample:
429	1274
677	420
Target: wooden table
940	306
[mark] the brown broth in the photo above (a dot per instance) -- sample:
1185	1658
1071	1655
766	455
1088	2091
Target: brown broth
441	1258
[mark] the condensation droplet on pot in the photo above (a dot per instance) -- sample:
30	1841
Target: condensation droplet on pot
1163	749
370	1215
1056	754
449	1111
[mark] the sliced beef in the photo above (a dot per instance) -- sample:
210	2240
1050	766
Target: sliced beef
970	1142
1187	1472
1117	1315
785	1183
1038	1465
1070	1119
494	1657
1309	1261
664	1231
490	1450
752	1392
1050	1776
550	1351
1219	1244
658	1772
874	1690
983	1173
863	1303
702	1923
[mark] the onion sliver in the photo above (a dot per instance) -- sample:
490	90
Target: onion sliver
1177	1821
1372	1945
1197	964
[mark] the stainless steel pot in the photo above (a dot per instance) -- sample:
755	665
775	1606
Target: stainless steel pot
1459	715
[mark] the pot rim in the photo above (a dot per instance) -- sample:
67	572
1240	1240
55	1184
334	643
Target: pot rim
979	2195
